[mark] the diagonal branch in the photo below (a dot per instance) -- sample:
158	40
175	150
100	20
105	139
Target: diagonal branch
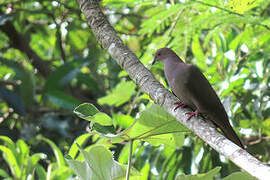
109	40
17	41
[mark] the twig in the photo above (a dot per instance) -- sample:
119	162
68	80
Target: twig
129	159
134	102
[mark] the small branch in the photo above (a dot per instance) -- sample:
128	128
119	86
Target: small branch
18	41
173	25
107	37
134	102
129	159
220	8
9	82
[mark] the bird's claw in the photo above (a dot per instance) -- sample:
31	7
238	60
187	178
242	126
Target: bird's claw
179	104
191	114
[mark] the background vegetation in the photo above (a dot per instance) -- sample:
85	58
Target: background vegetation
50	63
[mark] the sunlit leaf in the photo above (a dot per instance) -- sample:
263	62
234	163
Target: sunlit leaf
206	176
11	160
73	150
90	113
98	164
157	127
239	176
119	95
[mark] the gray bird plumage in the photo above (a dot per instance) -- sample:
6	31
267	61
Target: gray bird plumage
193	89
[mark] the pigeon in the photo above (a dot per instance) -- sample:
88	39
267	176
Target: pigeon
193	90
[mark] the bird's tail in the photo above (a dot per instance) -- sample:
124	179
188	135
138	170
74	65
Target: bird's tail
231	135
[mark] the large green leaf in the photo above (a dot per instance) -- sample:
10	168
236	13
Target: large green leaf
99	164
119	95
11	160
62	100
23	152
156	126
63	75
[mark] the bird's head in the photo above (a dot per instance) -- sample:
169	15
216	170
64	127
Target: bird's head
162	54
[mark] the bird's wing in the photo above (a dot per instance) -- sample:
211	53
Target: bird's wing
205	98
202	93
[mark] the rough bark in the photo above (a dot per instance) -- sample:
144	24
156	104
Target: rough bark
109	40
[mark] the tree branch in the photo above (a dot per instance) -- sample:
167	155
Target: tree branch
108	39
17	41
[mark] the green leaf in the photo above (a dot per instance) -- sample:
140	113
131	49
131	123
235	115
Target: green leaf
119	95
90	82
156	126
98	164
36	157
23	153
57	152
27	86
197	51
13	100
205	176
74	148
161	16
63	75
40	172
239	176
90	113
9	143
85	110
124	121
4	174
11	160
242	6
62	100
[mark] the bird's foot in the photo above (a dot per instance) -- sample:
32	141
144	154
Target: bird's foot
191	114
179	104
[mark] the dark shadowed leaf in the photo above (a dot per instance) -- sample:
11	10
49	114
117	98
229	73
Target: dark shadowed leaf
63	75
63	100
4	18
13	100
27	85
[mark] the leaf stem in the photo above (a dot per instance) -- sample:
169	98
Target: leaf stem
129	158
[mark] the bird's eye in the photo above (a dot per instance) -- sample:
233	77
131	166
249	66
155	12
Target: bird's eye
158	54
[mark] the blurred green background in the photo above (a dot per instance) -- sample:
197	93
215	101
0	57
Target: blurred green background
50	62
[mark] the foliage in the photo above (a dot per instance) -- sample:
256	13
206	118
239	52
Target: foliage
22	165
50	63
